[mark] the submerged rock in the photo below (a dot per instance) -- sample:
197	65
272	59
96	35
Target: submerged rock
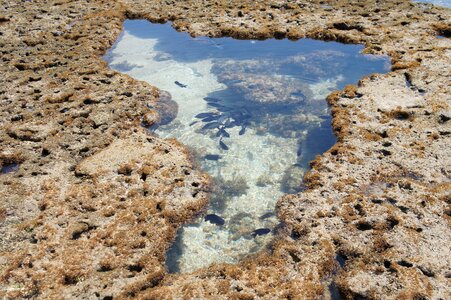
166	108
267	89
241	225
292	181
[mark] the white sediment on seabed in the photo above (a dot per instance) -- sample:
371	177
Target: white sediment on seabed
256	160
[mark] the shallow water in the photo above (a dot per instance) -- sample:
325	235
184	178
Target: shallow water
445	3
8	168
253	113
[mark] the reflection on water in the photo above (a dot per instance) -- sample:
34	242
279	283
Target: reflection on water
252	112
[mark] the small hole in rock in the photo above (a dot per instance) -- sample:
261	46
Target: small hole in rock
69	280
104	268
294	257
364	226
385	152
392	222
405	264
45	152
341	259
403	208
135	268
426	272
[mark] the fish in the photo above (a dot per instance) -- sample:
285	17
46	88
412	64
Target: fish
192	123
209	119
242	130
231	124
299	152
222	132
204	115
217	105
225	108
214	219
211	125
260	231
180	84
267	215
211	99
223	119
223	145
212	157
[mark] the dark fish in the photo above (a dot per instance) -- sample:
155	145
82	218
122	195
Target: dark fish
326	117
209	119
211	125
299	152
226	109
214	219
260	231
223	119
222	132
242	130
180	84
223	145
211	99
204	115
216	105
267	215
212	157
192	123
231	124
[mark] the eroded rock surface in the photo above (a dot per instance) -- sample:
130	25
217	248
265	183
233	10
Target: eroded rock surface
95	201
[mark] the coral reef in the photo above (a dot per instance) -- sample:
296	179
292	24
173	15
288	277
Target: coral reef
95	200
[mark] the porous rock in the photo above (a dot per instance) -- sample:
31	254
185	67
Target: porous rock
96	201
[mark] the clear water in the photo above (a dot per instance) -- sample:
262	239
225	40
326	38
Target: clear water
261	117
8	168
445	3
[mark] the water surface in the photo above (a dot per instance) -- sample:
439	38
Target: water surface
445	3
252	112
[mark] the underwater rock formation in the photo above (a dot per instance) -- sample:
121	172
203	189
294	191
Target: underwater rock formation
166	107
266	89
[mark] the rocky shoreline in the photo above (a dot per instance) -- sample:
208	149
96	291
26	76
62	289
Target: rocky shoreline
93	201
